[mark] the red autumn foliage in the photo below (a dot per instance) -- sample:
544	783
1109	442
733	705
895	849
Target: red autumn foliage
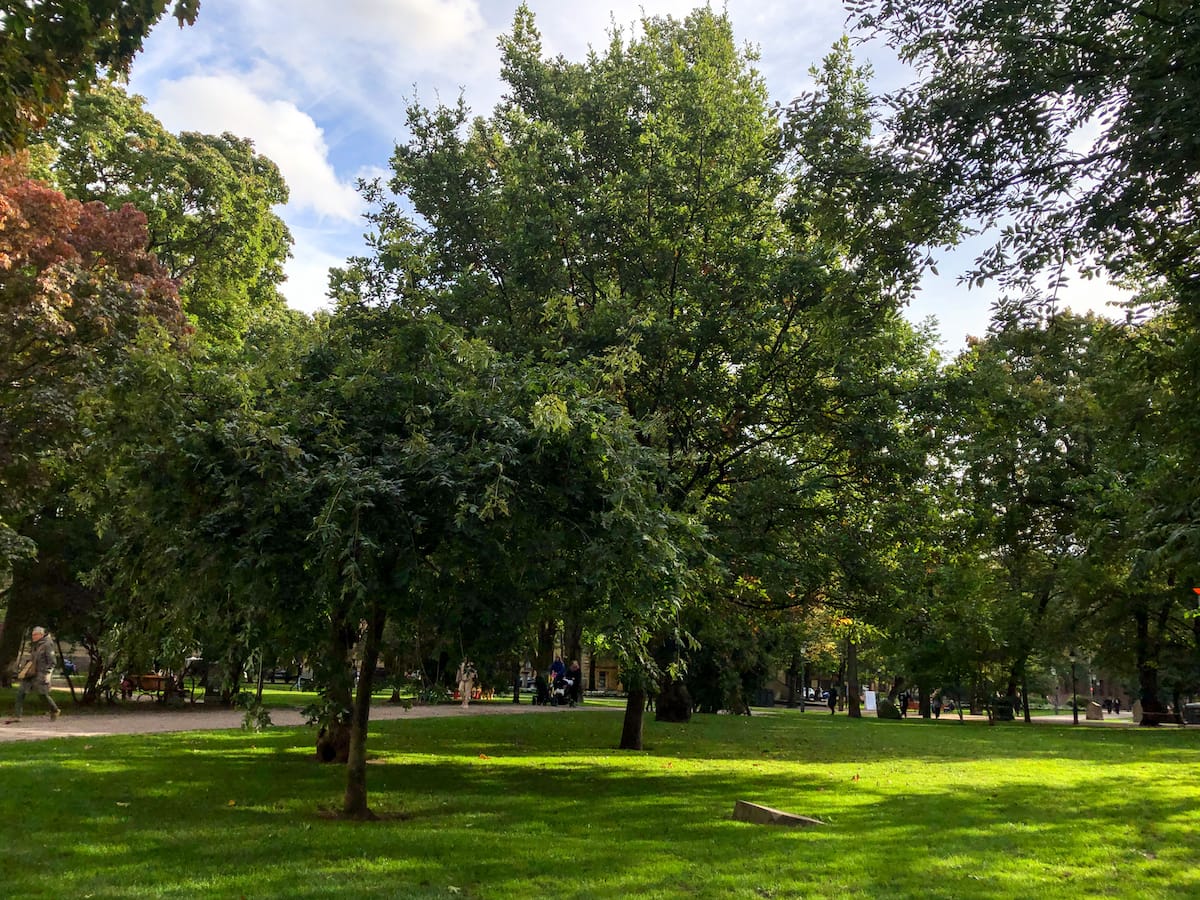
76	285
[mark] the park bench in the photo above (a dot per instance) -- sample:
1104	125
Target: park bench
158	687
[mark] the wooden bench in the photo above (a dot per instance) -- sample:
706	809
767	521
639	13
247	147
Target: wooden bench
159	687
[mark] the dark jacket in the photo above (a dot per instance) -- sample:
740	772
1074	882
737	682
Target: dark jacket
43	662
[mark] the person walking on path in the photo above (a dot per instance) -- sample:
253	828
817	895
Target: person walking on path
832	700
466	681
575	678
35	676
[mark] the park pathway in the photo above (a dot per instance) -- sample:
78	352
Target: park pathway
154	719
197	718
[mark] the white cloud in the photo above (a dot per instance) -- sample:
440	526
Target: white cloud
429	27
368	54
280	131
308	273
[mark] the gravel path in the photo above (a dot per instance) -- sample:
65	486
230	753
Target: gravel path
197	718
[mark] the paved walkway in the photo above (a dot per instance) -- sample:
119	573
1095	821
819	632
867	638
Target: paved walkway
150	718
155	719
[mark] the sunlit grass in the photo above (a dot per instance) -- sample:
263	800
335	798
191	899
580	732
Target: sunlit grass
538	806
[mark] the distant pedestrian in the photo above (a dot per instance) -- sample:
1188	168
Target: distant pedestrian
936	704
832	700
466	681
1116	706
575	680
35	674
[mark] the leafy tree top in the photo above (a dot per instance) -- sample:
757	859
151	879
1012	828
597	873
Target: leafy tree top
209	201
49	47
1073	123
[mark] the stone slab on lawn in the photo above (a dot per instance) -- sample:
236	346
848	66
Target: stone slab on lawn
745	811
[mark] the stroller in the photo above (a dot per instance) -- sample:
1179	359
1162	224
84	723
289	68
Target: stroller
563	692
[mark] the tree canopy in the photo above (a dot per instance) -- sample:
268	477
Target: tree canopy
1070	123
76	287
209	201
50	47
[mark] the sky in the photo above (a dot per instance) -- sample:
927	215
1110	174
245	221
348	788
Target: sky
321	88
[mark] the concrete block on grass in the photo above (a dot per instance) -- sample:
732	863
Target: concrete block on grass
744	811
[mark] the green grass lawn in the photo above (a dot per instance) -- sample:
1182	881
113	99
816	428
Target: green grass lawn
544	806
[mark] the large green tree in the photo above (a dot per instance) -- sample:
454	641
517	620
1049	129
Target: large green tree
386	470
1072	127
643	212
209	220
1027	437
77	287
209	202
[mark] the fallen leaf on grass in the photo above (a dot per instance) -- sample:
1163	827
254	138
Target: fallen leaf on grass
484	756
122	803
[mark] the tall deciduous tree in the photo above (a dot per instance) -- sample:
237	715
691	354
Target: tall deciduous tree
1029	447
209	206
389	456
76	287
1073	126
634	212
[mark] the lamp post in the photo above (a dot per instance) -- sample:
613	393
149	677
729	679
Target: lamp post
1074	704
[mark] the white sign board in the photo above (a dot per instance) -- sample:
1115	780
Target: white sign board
869	698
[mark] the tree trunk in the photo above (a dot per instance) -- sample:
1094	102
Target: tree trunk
259	689
333	740
631	729
1146	652
793	676
355	803
11	636
925	711
841	679
803	685
96	667
674	703
572	643
852	686
544	654
516	681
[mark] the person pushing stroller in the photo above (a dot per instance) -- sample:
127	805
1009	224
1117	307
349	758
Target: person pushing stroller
567	686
